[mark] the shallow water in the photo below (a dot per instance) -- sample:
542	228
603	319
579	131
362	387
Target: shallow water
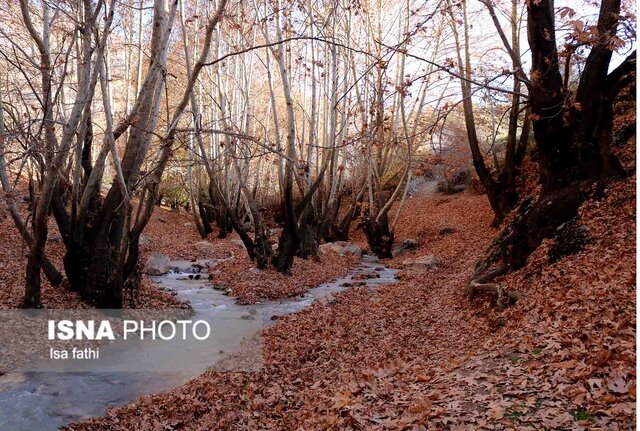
46	400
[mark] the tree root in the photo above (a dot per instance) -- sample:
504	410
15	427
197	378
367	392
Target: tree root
482	284
533	222
505	297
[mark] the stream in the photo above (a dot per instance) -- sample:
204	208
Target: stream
47	400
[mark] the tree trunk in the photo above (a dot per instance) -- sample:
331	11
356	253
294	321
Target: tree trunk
32	284
379	238
204	217
287	249
309	241
262	247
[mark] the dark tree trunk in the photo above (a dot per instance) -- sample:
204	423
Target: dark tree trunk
379	238
535	221
308	241
86	148
58	208
205	218
287	250
289	241
101	286
308	231
503	192
340	231
221	218
36	251
51	272
95	259
503	197
131	266
262	247
336	233
32	285
224	224
76	262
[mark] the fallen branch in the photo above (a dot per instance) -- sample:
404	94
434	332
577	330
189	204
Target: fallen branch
489	275
505	297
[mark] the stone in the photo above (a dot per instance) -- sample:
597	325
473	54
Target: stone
162	219
365	276
404	247
205	248
158	264
200	268
330	246
420	265
342	248
327	300
352	249
219	286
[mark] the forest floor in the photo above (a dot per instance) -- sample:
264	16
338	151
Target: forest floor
419	355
